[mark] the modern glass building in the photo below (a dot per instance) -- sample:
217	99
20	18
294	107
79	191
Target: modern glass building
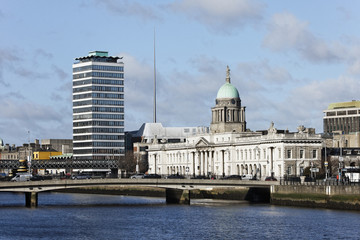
98	107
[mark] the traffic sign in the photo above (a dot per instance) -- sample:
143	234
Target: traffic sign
314	169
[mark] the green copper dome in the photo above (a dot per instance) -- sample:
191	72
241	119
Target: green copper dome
228	91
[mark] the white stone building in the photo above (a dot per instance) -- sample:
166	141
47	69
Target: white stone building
232	149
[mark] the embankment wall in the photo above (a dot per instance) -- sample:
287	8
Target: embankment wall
343	197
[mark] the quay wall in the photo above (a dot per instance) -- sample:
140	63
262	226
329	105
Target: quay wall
343	197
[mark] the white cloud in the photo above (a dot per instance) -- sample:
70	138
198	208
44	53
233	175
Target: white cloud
43	121
183	98
286	32
132	8
62	75
221	16
305	105
354	68
264	72
139	78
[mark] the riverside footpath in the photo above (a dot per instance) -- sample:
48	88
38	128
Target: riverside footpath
319	194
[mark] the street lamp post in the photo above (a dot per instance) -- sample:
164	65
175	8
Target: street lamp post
340	158
326	164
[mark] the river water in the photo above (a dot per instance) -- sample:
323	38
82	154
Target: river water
86	216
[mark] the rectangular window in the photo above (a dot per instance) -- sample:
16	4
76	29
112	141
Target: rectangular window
314	153
301	153
288	153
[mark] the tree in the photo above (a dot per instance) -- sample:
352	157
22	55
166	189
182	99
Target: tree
128	163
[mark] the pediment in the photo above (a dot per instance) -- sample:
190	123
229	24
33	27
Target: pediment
202	142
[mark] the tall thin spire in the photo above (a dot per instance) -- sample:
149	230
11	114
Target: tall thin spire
154	113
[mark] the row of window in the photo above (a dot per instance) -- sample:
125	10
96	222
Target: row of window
98	81
98	95
98	74
289	154
98	116
243	155
99	123
98	88
98	130
99	137
99	67
98	102
99	109
342	113
349	124
99	144
98	151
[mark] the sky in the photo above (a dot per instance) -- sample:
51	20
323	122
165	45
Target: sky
288	59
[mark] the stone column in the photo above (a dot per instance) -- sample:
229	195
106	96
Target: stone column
206	164
223	163
200	162
212	167
193	163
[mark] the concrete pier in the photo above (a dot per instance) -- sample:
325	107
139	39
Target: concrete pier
31	199
177	196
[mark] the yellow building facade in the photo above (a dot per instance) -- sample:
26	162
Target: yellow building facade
45	155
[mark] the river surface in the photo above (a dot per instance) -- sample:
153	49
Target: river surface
86	216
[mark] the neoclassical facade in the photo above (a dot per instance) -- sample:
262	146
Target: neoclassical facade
231	149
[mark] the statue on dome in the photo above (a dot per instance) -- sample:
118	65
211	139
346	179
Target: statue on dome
227	74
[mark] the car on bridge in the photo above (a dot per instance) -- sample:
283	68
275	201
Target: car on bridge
175	176
81	176
232	177
247	177
137	176
21	177
201	177
152	175
270	178
37	178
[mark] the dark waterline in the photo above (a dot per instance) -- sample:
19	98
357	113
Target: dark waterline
86	216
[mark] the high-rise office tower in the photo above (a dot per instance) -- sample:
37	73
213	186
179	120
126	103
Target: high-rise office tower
343	117
98	106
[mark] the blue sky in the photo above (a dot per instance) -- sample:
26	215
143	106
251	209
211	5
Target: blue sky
288	59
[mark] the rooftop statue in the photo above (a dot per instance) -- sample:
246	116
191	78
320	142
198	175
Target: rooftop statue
227	74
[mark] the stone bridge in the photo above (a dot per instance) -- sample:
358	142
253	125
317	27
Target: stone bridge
177	190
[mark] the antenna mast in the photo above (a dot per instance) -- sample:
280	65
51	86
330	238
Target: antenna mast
154	114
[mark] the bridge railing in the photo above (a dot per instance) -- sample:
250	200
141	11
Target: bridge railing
313	181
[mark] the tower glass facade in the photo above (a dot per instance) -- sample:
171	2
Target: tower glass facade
98	107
